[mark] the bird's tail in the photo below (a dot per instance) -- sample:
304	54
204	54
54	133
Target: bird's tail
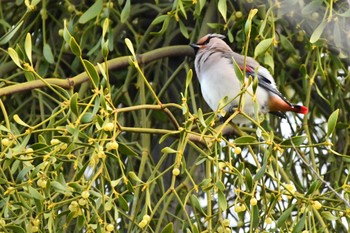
299	109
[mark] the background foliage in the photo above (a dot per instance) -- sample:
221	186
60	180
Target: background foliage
98	138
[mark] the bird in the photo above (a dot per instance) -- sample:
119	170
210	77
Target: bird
214	66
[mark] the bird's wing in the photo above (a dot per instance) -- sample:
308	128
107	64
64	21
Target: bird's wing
266	83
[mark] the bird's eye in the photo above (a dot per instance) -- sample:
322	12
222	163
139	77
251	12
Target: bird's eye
207	40
204	40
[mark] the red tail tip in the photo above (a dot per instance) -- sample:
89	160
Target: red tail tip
300	109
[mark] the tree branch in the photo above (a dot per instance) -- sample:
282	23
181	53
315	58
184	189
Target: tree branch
116	63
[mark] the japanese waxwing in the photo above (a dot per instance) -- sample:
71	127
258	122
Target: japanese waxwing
217	77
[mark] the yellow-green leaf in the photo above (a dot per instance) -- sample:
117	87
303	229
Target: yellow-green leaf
332	122
248	24
105	27
300	225
329	216
9	35
196	204
297	140
19	121
282	219
130	47
92	12
134	177
262	46
28	47
318	32
125	12
222	7
222	200
168	150
48	54
92	72
168	228
164	27
14	56
245	139
35	194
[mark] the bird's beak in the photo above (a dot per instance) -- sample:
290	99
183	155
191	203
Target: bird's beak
195	47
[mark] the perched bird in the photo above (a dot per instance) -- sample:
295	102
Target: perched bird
215	71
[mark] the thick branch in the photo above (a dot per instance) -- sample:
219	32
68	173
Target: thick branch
116	63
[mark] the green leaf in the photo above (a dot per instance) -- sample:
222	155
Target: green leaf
316	184
74	104
87	117
337	35
164	27
222	7
201	118
168	228
66	33
244	139
59	187
123	203
329	216
249	179
297	140
168	150
196	204
345	14
311	7
8	36
159	19
74	46
92	12
125	12
269	61
256	216
238	71
189	78
286	44
300	225
134	177
214	25
282	219
318	32
35	194
261	171
14	56
14	228
23	173
319	92
48	54
222	200
332	122
124	149
92	72
204	182
220	185
183	30
28	47
262	47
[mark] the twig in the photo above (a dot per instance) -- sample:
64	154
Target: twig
318	176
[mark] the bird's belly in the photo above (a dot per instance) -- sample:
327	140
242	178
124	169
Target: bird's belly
215	86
